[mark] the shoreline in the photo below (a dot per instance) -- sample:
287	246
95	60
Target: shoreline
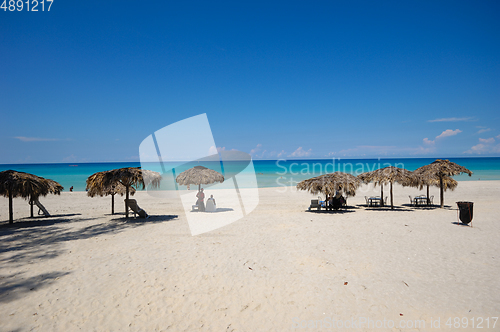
277	187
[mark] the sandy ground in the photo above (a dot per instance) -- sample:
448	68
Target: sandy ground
279	268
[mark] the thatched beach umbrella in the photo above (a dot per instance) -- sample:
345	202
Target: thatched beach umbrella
98	184
440	169
29	186
129	177
429	179
199	175
328	184
390	175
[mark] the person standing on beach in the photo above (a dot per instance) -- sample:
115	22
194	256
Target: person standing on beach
201	198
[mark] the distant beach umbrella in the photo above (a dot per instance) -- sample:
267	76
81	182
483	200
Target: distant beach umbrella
390	175
440	171
431	179
199	175
99	185
29	186
328	184
128	177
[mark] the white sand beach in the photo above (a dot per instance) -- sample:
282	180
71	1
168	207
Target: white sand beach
279	268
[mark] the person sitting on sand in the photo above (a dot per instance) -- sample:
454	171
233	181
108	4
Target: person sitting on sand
211	199
200	202
211	204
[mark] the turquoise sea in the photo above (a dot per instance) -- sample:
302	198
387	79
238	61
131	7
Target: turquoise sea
270	173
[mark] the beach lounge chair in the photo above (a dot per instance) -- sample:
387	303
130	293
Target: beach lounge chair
430	200
315	204
411	201
132	205
367	202
41	208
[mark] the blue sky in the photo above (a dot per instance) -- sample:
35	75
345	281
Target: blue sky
89	80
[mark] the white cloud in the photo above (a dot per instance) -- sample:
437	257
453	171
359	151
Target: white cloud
498	136
449	132
34	139
428	141
212	150
450	120
487	140
477	149
256	149
70	159
485	146
484	149
300	153
446	133
421	150
484	130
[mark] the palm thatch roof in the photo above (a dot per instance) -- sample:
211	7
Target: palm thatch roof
133	177
328	184
199	175
29	186
99	184
431	179
54	187
444	167
438	173
389	174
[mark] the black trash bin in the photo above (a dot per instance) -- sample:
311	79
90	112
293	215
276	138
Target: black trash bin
465	211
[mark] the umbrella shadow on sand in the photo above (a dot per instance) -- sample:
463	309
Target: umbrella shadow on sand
43	221
386	208
427	207
142	221
458	223
340	211
216	211
15	286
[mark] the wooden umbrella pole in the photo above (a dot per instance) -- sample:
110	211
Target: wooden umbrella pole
392	204
31	206
441	190
126	202
428	200
11	215
112	203
381	194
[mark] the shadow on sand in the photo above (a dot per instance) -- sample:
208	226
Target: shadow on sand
385	208
216	211
35	240
143	221
15	286
462	224
348	209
